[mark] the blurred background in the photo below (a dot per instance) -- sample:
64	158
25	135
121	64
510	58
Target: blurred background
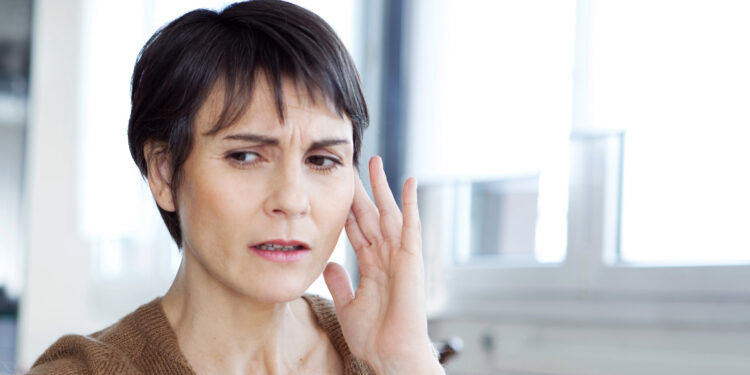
583	168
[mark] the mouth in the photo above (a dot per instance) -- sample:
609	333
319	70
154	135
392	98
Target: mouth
281	250
281	245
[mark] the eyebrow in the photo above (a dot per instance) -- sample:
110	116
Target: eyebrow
264	140
254	138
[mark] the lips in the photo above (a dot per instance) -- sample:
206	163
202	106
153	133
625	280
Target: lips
281	251
281	245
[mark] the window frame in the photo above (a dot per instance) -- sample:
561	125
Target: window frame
590	284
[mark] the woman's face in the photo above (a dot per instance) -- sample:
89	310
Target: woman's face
258	183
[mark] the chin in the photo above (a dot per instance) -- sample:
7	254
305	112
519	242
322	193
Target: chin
284	289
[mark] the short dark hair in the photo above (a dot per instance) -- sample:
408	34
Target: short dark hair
180	64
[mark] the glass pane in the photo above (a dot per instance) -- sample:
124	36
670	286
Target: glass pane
490	221
490	106
678	84
503	217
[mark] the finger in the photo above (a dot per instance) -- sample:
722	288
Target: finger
339	284
390	215
411	237
366	213
354	233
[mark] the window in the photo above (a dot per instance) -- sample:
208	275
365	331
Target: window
576	150
490	115
677	85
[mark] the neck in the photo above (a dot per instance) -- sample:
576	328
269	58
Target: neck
222	331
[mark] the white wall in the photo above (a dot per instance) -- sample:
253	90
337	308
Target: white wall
515	346
54	252
57	297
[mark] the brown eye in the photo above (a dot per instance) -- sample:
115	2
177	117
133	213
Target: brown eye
243	157
323	162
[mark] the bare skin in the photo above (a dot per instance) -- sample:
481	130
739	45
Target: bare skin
385	321
235	312
277	339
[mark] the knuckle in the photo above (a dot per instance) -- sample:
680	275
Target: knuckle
375	237
350	220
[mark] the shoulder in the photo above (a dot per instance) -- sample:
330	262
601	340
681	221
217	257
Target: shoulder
77	354
325	314
131	346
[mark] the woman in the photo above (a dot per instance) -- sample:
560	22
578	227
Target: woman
247	124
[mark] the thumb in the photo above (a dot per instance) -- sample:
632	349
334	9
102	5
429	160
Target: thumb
339	284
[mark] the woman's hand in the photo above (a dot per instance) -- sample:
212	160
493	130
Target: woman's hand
385	322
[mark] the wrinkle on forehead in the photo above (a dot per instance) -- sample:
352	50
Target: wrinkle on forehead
226	104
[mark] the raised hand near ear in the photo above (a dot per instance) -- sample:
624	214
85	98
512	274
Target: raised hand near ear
385	322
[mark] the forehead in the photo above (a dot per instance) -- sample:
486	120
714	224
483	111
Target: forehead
302	109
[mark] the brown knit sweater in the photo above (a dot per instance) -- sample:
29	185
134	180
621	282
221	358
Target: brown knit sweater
143	342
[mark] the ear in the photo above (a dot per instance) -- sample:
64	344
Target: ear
159	174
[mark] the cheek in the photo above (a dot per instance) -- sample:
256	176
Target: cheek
212	204
333	202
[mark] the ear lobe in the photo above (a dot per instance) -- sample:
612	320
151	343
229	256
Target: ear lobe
159	174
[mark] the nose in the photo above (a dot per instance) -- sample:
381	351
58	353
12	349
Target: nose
288	197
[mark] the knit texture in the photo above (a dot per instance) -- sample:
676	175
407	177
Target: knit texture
143	342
